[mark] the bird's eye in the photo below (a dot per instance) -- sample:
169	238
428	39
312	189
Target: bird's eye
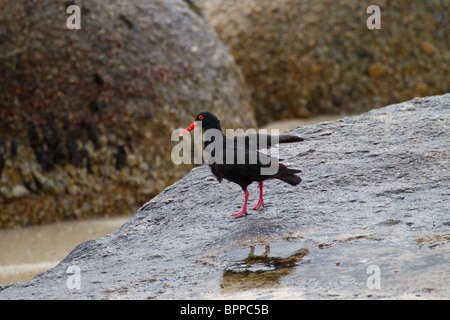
200	117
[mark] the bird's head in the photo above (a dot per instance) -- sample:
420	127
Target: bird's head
208	121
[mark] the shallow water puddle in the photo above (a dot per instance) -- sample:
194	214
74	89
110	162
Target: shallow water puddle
353	268
261	266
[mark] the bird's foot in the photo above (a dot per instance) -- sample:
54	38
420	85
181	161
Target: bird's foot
239	214
258	205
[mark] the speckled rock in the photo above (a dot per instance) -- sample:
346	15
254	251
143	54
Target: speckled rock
86	115
303	58
374	197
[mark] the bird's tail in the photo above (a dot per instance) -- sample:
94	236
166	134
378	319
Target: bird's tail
288	175
287	138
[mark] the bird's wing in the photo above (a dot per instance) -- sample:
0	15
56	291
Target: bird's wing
264	141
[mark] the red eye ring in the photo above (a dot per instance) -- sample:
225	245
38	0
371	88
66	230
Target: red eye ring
200	117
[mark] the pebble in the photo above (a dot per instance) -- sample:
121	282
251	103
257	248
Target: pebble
19	191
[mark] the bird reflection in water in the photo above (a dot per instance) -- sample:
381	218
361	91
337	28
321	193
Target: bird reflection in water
260	271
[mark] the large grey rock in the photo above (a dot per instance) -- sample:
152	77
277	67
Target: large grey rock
370	220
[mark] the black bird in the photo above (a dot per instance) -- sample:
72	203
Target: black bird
238	160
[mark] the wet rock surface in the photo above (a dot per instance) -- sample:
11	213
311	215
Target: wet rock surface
85	114
303	58
369	220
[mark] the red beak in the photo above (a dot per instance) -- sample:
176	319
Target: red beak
192	126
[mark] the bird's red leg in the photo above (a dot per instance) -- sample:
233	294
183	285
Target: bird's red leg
260	201
244	208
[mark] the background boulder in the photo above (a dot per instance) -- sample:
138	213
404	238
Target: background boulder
305	58
86	115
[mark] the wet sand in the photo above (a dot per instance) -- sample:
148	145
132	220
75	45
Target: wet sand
29	251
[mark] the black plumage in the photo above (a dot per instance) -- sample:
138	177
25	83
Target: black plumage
237	159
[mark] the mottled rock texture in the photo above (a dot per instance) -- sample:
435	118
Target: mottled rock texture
303	58
86	115
374	196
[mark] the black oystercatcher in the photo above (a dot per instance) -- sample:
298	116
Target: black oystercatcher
238	159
